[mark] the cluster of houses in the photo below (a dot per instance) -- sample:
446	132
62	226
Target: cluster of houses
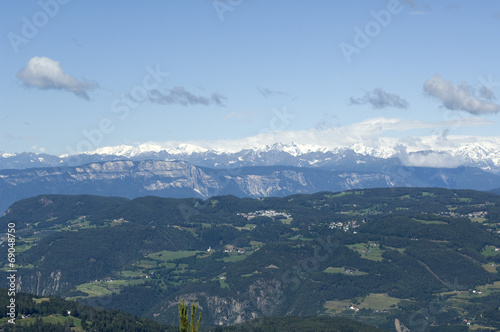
476	214
264	213
347	225
356	309
229	249
107	279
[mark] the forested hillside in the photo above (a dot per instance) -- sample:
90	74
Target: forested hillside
425	257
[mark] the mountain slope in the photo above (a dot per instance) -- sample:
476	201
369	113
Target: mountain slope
179	179
387	253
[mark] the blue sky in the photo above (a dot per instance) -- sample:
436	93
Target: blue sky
77	75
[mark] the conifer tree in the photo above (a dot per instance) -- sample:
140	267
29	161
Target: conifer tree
185	324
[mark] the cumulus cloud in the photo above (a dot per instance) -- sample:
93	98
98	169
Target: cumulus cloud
179	95
428	158
44	73
459	98
380	99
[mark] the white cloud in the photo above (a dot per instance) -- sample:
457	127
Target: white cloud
458	98
179	95
368	134
380	99
429	158
366	137
44	73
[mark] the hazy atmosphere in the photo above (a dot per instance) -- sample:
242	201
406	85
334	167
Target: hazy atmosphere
250	165
416	75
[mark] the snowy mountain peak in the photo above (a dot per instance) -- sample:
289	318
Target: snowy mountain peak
293	148
428	151
6	154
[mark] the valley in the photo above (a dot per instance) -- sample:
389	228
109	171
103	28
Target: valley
424	256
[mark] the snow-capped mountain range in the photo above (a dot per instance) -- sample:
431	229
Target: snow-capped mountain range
192	170
484	154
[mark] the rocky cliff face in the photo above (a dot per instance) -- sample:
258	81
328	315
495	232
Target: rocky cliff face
262	299
38	284
173	179
179	179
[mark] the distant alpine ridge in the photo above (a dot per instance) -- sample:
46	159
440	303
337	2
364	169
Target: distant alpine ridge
483	155
180	179
272	170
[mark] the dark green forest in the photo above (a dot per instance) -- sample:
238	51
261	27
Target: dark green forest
423	256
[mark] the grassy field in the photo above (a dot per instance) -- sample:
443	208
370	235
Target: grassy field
189	229
131	274
256	244
337	306
102	288
234	258
490	251
489	268
55	319
167	265
294	238
379	301
460	298
147	264
369	251
430	222
287	221
346	271
372	301
23	247
94	289
250	274
338	195
40	300
451	207
167	256
223	283
247	227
